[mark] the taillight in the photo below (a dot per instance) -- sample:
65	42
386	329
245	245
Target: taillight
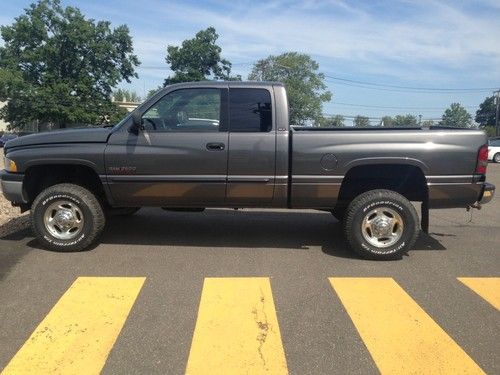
482	160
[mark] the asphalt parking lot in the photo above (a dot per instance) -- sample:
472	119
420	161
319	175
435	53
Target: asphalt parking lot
254	291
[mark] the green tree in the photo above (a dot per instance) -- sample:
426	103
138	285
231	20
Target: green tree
361	121
198	59
485	115
58	67
387	121
405	121
456	116
153	91
490	131
123	95
427	123
119	95
305	86
336	121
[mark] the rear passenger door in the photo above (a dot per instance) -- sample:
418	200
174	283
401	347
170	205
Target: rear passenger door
252	147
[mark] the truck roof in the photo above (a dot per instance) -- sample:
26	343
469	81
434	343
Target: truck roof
226	83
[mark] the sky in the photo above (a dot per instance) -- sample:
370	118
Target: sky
438	47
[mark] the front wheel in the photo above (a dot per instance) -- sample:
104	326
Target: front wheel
381	225
67	217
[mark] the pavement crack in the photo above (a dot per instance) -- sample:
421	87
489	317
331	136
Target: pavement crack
260	317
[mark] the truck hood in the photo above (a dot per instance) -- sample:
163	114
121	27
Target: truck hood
84	135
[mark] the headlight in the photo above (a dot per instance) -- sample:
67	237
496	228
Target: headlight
10	165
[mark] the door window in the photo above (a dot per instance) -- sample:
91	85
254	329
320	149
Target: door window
186	110
250	110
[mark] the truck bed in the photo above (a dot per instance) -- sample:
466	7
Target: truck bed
322	157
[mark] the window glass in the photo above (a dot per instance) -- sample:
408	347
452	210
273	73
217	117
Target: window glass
250	110
187	110
495	142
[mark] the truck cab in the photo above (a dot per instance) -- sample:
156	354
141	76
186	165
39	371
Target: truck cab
205	144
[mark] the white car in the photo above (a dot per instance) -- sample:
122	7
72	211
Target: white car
494	150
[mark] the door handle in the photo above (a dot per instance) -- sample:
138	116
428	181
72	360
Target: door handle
215	146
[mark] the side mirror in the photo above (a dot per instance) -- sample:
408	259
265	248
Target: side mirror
136	123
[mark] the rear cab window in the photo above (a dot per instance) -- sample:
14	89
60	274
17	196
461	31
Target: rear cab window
250	110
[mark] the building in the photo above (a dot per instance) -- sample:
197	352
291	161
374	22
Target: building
129	106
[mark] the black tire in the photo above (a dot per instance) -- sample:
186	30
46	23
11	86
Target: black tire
496	157
382	205
122	211
83	201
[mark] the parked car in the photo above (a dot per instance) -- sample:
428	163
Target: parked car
229	144
6	137
494	150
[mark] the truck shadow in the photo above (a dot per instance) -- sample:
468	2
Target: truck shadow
14	229
283	229
223	228
266	229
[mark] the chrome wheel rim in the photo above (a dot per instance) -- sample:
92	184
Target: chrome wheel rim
63	219
382	227
496	158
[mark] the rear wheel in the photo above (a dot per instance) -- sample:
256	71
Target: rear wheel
67	217
496	157
381	224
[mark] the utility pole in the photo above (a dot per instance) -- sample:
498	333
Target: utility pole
497	102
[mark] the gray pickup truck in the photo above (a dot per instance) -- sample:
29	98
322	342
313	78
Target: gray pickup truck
229	144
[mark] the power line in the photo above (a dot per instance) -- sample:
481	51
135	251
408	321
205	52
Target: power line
435	91
400	108
410	87
398	88
369	85
350	117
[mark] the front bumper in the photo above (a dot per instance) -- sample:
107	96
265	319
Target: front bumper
487	193
12	187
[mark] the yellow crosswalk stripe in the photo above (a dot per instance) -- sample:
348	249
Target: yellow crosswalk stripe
398	333
486	287
78	333
237	329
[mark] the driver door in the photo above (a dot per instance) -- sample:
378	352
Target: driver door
179	158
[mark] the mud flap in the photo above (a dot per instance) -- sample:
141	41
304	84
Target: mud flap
424	221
